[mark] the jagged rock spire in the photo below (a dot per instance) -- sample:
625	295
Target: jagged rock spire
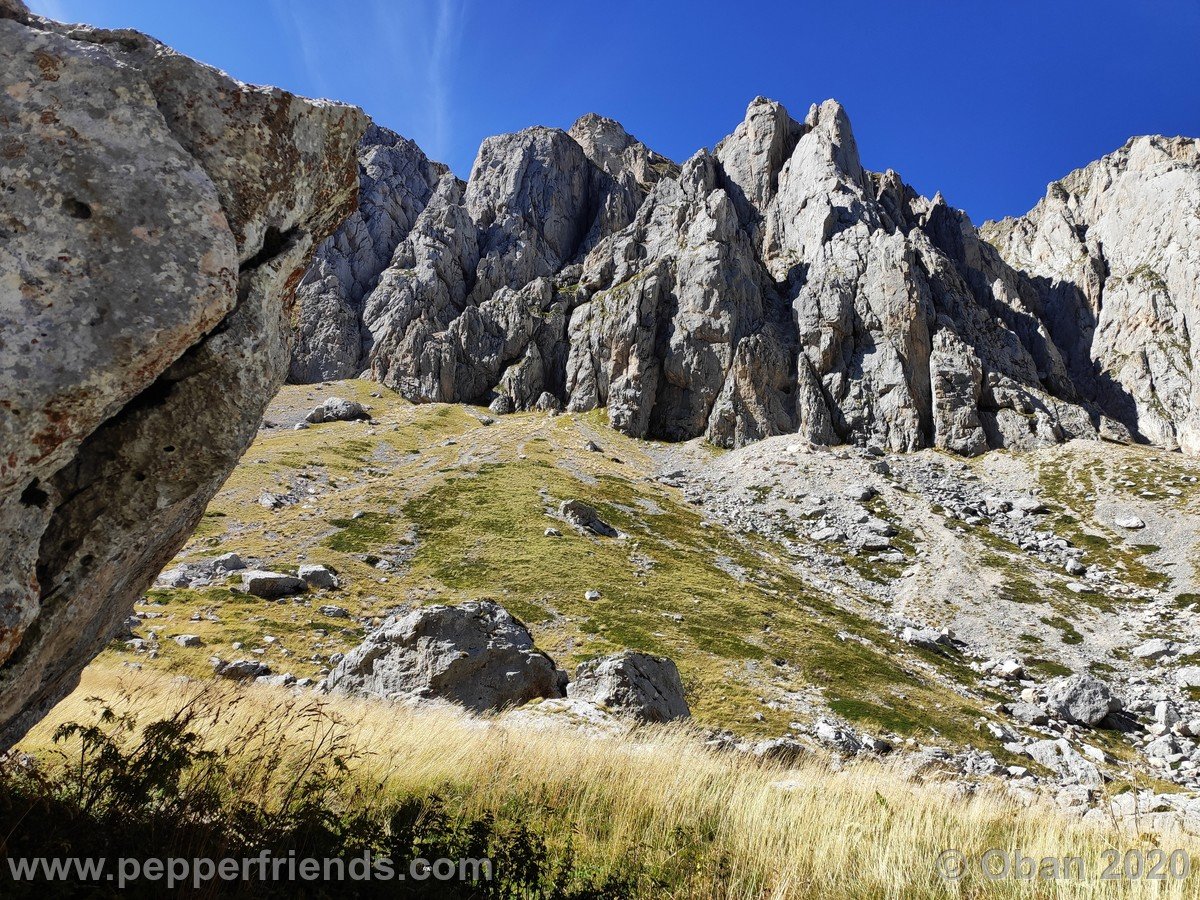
775	286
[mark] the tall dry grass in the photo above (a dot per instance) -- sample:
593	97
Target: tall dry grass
685	821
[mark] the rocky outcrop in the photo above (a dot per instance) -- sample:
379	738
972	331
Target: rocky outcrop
395	181
1113	253
156	218
775	286
643	687
476	655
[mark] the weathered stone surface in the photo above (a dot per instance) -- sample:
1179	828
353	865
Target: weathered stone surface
271	585
241	669
1081	699
395	180
646	688
319	576
476	655
1060	758
581	515
776	286
156	219
1113	251
337	409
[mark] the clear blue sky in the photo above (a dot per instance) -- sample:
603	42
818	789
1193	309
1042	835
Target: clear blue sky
985	100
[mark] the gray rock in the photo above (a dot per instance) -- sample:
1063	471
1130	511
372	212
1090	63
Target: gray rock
646	688
1133	523
586	517
1153	649
337	409
395	181
859	492
1123	229
1163	747
190	205
319	576
271	585
1070	766
786	751
175	578
1081	699
287	679
841	739
1165	713
1029	713
188	640
476	655
241	669
926	638
334	612
229	562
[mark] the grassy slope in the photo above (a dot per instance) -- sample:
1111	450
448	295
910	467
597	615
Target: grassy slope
654	808
460	511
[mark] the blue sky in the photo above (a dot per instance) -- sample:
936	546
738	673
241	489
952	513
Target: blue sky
985	100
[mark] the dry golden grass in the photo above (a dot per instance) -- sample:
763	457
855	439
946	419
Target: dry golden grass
689	822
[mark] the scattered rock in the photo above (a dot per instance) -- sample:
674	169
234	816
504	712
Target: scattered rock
230	562
786	751
926	639
240	669
271	585
1029	713
1058	756
337	409
646	688
319	576
585	517
1153	649
476	655
1081	699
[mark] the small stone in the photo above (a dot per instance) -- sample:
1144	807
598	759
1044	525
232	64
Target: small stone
188	640
859	492
230	562
592	595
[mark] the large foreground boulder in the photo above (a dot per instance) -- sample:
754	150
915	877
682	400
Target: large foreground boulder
477	655
154	219
643	687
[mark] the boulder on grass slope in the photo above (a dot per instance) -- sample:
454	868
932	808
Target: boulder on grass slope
476	655
644	687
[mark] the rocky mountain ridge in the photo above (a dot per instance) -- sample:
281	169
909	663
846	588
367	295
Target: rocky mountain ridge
771	286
